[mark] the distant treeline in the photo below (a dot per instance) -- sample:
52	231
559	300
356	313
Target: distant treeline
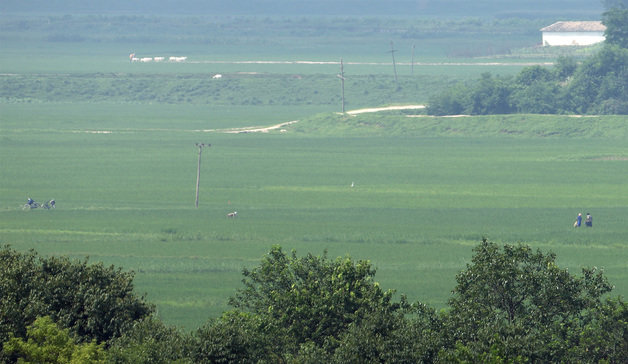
238	29
440	8
597	86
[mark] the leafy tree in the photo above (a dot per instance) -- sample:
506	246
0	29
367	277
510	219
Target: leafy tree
412	335
564	67
47	343
616	21
599	79
515	303
149	341
533	74
490	96
311	299
93	301
537	98
450	102
235	337
599	335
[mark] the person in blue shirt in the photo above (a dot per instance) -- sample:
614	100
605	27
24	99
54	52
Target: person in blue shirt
579	220
588	221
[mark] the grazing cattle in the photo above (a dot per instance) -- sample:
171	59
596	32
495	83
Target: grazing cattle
159	59
217	76
232	214
146	59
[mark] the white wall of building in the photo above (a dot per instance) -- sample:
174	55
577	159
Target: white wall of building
572	38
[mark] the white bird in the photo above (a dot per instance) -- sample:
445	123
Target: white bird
352	184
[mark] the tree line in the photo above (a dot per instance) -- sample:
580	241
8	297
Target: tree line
596	86
511	304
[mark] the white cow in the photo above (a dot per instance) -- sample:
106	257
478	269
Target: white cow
232	214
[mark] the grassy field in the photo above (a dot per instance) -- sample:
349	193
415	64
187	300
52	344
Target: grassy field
113	143
418	206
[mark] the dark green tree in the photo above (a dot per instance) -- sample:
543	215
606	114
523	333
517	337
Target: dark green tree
533	74
453	101
515	304
149	341
236	337
537	98
93	301
409	336
491	95
616	21
564	67
311	299
600	82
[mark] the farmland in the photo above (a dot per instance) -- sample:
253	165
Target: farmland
113	143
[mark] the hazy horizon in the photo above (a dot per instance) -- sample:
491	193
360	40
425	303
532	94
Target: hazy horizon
582	9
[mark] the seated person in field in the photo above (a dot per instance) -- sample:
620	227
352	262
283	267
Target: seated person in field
30	201
588	221
52	203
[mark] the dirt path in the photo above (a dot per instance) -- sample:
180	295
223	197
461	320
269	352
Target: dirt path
257	129
376	109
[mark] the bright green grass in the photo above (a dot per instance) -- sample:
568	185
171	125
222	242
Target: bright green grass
418	207
64	118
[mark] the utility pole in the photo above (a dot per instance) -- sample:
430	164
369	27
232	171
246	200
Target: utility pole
198	168
392	51
342	83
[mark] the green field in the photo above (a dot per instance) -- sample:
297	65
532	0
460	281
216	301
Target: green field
418	205
114	144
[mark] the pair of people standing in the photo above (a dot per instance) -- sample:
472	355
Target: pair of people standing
588	220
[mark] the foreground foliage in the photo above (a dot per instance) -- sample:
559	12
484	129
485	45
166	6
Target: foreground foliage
92	301
510	305
47	343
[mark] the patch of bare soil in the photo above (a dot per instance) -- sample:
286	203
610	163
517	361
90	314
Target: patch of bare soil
256	129
377	109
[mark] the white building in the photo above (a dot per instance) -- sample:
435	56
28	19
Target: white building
569	33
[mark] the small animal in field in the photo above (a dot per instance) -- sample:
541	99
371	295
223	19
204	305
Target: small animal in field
232	214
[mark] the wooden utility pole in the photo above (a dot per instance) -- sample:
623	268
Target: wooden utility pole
198	168
342	83
392	51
